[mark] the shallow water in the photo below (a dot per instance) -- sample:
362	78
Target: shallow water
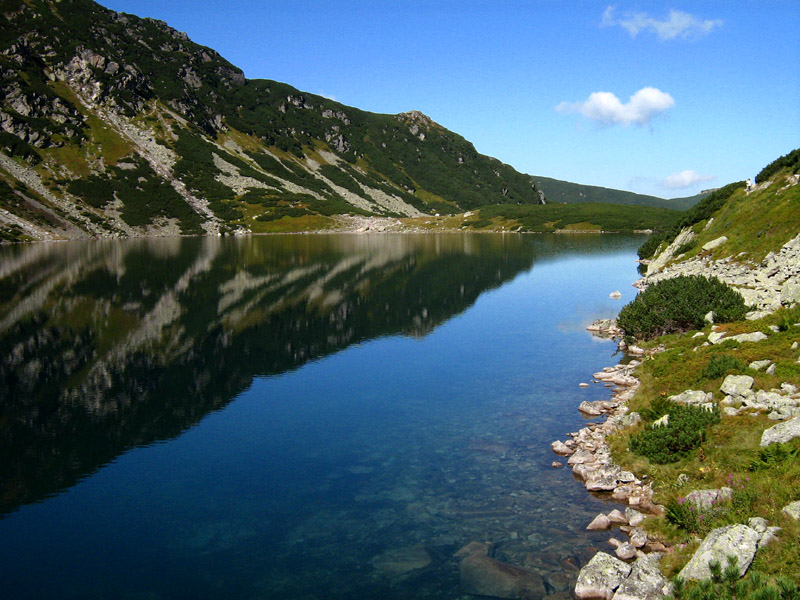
296	417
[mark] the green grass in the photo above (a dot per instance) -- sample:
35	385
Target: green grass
731	446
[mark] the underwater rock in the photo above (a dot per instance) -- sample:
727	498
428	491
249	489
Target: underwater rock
485	576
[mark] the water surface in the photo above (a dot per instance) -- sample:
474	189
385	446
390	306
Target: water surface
295	417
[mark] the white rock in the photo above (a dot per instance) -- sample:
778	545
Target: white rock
782	432
738	540
600	577
600	523
645	581
736	385
792	510
715	243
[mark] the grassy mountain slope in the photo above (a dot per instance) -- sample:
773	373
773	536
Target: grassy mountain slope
761	226
113	125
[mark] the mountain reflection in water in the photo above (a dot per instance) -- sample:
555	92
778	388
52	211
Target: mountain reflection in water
110	345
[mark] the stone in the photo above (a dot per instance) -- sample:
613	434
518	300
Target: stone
615	542
715	243
601	577
583	385
709	317
755	336
757	365
781	433
634	517
705	499
484	576
617	516
715	336
736	385
590	408
645	581
729	411
401	561
693	397
477	548
561	448
737	540
600	523
625	551
615	295
792	510
556	465
790	293
638	537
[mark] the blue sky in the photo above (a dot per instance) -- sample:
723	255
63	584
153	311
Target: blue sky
658	98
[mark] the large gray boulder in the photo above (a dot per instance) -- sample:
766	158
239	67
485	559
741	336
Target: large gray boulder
645	581
693	397
484	576
705	499
737	385
781	433
738	540
601	577
792	510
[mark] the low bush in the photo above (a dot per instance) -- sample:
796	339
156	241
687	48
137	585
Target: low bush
725	584
680	304
685	431
720	365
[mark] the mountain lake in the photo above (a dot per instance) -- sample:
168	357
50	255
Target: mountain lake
297	417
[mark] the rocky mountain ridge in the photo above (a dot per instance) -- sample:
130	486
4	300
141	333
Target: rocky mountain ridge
113	125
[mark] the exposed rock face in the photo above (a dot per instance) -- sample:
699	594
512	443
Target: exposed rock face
484	576
766	286
739	540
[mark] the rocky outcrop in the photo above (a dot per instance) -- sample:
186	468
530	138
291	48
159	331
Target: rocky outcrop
765	286
601	577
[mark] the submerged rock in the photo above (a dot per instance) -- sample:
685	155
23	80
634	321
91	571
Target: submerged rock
401	561
484	576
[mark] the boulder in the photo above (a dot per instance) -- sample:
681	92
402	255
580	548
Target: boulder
715	242
738	540
645	581
715	336
635	518
600	523
790	293
782	432
705	499
693	397
400	561
638	537
755	336
601	577
736	385
625	551
617	516
484	576
561	448
792	510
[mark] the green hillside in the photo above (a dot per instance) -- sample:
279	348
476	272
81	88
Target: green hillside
115	125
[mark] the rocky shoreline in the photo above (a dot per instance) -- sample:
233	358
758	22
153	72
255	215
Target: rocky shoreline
633	573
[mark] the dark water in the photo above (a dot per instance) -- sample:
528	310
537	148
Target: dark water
295	417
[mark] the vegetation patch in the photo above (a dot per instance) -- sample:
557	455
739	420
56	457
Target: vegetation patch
680	304
684	431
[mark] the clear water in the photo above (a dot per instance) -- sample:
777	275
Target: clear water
296	417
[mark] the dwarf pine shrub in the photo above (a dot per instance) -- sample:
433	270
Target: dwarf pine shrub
680	304
685	431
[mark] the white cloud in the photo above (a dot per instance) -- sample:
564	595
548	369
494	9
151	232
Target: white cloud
607	109
685	179
677	25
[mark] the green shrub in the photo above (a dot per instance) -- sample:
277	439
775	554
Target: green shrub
773	456
789	161
720	365
680	304
685	432
725	584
